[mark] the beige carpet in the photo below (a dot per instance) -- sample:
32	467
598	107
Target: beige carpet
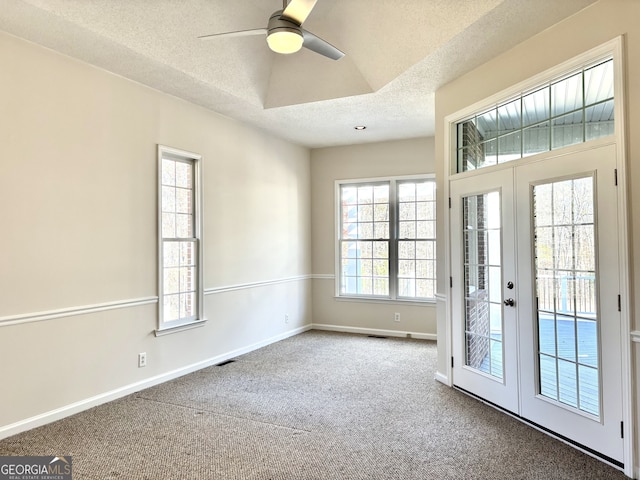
316	406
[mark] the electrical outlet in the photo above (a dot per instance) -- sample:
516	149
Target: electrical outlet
286	319
396	317
142	359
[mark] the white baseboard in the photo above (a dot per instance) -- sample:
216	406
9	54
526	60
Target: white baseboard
87	403
373	331
442	378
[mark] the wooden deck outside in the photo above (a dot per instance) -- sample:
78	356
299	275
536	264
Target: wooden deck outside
568	361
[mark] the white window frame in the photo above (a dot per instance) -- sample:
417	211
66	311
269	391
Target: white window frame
519	97
195	160
393	296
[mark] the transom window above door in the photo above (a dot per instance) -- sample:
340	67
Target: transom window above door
576	109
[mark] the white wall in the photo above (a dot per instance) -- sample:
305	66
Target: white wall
78	199
592	27
385	159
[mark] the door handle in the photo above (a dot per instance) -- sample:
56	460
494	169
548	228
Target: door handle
509	302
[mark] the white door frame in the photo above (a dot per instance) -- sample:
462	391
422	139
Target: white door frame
615	49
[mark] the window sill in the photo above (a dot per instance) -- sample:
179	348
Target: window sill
179	328
388	301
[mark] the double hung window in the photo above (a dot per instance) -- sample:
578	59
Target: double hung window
180	272
386	238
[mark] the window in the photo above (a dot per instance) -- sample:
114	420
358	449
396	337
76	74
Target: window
578	108
386	241
180	246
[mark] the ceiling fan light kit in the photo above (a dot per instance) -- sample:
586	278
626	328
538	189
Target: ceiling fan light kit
285	33
283	36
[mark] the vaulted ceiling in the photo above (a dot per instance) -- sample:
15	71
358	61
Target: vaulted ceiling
397	54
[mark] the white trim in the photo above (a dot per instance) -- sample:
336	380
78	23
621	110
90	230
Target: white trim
373	331
176	152
393	178
620	104
263	283
444	301
72	311
635	336
323	276
539	157
443	305
85	404
387	301
337	225
128	303
180	328
363	299
442	378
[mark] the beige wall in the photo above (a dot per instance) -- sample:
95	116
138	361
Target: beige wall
78	201
590	28
407	157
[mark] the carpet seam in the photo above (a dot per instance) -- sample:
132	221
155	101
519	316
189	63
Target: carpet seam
187	407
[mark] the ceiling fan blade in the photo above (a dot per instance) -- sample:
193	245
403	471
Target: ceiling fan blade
239	33
299	10
321	46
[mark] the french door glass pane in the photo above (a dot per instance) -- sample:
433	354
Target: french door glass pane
483	280
565	274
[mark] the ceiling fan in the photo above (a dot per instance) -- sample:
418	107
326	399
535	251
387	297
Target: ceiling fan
285	33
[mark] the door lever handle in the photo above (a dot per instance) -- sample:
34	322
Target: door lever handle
509	302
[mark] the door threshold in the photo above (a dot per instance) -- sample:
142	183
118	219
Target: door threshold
572	443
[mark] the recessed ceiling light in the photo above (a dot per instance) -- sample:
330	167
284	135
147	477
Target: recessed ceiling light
359	127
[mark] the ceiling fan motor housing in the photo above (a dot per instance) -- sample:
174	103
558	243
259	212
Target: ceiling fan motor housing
278	23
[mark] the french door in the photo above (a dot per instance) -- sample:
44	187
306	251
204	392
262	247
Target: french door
483	256
535	289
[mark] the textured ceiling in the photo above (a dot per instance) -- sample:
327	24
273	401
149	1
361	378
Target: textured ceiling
397	54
